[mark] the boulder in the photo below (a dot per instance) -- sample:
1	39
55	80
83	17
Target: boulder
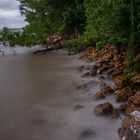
105	90
120	82
123	94
130	129
103	109
133	102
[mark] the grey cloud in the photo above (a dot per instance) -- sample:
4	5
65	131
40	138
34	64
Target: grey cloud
14	21
9	4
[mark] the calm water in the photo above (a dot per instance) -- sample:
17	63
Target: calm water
37	98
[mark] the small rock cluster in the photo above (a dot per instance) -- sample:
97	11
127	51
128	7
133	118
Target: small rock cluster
127	85
111	60
130	129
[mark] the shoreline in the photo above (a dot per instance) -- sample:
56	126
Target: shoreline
107	62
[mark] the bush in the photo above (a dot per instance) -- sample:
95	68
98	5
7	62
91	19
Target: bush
72	45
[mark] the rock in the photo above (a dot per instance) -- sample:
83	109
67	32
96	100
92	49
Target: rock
84	68
84	86
87	133
86	74
137	58
106	90
121	132
107	57
102	69
123	94
117	72
78	107
118	65
93	70
102	85
98	64
133	102
136	78
91	52
115	113
99	95
130	129
81	68
102	77
122	108
103	109
120	82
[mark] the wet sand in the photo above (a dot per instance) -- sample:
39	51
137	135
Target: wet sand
37	98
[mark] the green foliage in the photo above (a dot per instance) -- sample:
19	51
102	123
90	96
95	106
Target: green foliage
96	22
115	22
72	45
99	46
56	15
7	36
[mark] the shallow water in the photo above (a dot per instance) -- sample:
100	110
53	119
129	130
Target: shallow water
37	98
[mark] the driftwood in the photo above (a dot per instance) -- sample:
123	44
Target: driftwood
44	51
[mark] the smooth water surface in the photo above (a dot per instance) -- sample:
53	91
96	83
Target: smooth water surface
37	98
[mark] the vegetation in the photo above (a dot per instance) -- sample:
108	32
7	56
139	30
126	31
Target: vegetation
86	22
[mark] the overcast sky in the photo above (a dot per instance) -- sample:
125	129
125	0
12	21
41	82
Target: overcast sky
10	15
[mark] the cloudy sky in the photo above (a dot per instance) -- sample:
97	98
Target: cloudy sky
10	15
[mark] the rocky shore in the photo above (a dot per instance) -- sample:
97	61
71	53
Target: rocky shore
126	92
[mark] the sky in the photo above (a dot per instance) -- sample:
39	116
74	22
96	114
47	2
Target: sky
10	15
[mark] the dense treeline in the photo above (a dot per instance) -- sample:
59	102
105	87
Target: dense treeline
95	22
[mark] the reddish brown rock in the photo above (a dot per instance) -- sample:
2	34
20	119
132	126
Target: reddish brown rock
107	57
123	94
106	90
103	109
136	78
133	102
120	82
91	52
99	95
